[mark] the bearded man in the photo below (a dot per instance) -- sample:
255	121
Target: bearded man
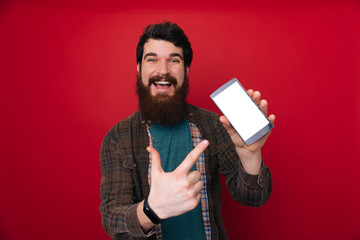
160	166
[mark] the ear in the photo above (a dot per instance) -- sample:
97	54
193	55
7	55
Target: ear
187	70
138	67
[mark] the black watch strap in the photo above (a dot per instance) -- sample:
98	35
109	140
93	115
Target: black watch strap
150	213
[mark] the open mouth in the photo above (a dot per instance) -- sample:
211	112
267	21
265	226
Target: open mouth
162	84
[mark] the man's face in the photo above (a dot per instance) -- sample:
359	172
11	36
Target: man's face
162	82
162	67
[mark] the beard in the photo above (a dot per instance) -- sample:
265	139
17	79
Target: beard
162	108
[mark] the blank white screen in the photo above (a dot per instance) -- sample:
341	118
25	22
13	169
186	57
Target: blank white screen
241	111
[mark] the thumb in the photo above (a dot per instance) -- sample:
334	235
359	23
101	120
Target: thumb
155	161
225	122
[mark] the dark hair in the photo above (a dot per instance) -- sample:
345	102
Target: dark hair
167	31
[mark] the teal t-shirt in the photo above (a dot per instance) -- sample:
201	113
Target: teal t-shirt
173	144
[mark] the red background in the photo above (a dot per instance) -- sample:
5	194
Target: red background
67	73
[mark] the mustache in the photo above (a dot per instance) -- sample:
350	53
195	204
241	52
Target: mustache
163	78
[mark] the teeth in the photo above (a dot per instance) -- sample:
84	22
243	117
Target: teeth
162	83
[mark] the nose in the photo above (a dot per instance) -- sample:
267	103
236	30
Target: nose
163	68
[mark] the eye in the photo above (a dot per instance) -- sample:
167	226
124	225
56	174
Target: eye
174	60
151	60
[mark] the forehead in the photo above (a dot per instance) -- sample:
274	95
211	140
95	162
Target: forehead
161	48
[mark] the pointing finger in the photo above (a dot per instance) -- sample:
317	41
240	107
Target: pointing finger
191	158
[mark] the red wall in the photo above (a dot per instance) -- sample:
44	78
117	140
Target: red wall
67	75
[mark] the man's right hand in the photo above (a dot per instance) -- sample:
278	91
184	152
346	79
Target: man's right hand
175	193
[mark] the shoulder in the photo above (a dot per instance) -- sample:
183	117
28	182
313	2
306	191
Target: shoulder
200	114
122	128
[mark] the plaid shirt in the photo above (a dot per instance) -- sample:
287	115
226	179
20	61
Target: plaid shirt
125	167
200	166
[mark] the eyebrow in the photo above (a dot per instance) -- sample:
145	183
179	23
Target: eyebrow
176	55
151	54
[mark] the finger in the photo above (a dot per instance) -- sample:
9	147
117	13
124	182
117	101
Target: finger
195	190
196	201
194	177
198	187
155	161
256	97
250	92
264	106
225	122
191	158
272	118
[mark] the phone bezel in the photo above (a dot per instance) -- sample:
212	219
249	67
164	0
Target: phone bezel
259	134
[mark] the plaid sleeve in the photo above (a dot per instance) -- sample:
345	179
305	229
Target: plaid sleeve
118	209
249	190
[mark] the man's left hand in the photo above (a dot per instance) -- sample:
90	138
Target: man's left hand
250	156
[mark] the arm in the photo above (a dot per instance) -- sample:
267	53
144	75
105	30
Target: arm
118	209
248	179
250	156
171	194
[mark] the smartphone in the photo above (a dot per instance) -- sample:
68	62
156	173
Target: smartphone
242	112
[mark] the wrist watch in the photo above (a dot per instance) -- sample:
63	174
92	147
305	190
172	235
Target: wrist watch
150	213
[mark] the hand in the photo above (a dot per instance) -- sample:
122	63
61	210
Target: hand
250	156
175	193
239	143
